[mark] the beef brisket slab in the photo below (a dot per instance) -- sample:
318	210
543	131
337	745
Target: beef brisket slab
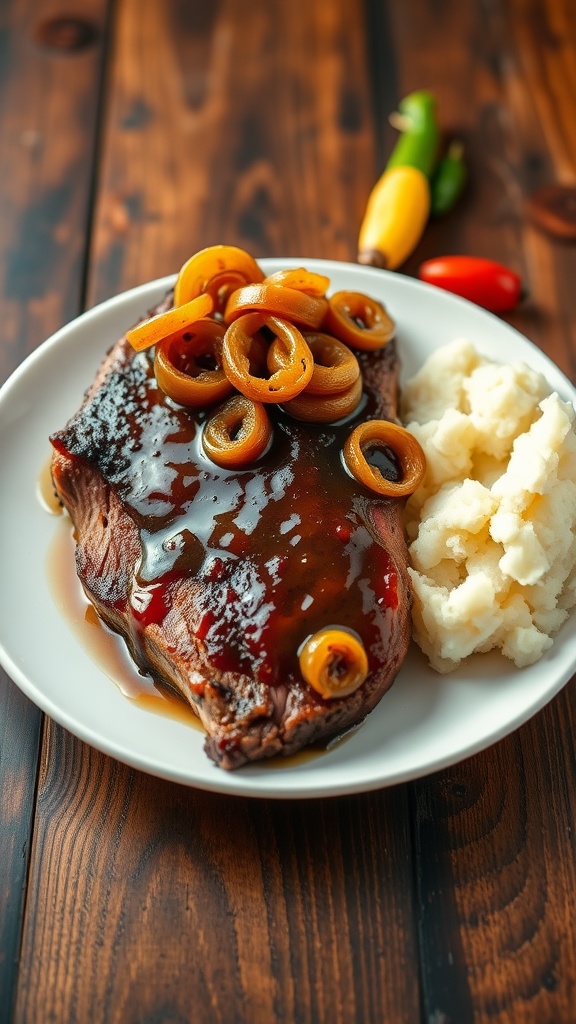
216	578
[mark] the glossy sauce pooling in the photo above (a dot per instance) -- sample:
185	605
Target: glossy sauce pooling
279	550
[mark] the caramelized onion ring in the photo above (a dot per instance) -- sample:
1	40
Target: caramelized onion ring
288	380
358	320
181	376
325	408
276	300
334	662
221	286
197	273
170	324
335	366
378	433
301	279
238	433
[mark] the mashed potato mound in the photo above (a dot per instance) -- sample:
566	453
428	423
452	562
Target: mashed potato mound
491	529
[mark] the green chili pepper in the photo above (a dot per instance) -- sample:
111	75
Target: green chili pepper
447	181
418	143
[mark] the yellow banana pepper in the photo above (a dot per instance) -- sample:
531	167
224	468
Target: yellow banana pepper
396	215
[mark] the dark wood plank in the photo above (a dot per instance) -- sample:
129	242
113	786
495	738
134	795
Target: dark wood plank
49	72
160	903
254	131
149	901
497	876
494	853
20	727
48	107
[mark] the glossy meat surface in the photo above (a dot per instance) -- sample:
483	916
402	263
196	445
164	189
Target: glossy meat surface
216	578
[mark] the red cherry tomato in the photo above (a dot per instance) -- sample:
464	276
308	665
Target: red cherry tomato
487	283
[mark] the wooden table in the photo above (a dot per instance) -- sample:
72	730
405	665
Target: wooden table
133	132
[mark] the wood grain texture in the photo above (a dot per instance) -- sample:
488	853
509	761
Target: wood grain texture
48	103
496	879
150	901
251	127
147	901
48	109
20	726
493	837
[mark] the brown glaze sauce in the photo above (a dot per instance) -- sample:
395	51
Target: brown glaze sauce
106	648
279	550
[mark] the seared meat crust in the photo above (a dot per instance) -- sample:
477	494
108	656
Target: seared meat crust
247	715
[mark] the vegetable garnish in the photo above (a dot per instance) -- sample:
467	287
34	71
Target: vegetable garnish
170	324
188	367
359	321
418	143
238	433
334	662
397	445
399	204
415	185
303	280
396	215
278	300
292	373
255	345
325	408
335	365
486	282
447	181
335	387
213	268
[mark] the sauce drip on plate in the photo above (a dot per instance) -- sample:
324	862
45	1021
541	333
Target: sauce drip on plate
109	652
105	648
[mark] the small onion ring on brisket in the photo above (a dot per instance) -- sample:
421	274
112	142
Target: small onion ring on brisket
238	433
325	408
303	280
334	662
277	300
359	321
280	340
336	367
335	387
293	373
179	369
169	324
220	288
382	434
200	272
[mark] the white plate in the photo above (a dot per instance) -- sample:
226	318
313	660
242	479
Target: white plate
424	723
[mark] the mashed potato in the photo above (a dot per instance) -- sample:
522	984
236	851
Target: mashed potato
491	529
